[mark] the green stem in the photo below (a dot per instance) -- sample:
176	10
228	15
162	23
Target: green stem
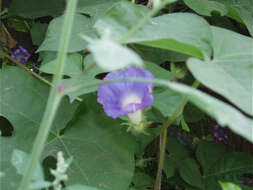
163	131
54	98
161	160
143	21
172	118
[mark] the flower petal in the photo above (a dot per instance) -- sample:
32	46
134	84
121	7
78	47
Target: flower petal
112	95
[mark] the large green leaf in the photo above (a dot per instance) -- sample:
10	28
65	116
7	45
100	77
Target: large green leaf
182	32
103	152
22	101
230	71
206	7
72	68
36	8
82	25
243	8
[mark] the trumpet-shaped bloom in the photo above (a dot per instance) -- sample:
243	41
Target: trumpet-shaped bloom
20	54
126	97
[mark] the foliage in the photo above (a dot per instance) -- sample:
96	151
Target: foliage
200	53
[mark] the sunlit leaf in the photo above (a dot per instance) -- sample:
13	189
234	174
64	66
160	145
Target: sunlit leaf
230	71
182	32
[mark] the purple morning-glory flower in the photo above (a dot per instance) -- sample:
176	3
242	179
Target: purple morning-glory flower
20	54
220	134
128	97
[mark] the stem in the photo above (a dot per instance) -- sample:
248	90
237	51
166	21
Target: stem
164	138
2	53
143	21
161	159
178	110
54	98
24	67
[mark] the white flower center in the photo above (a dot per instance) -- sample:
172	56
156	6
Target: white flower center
131	99
136	116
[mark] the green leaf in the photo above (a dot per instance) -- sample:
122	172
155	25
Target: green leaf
142	181
82	25
80	187
73	66
169	166
18	24
114	56
230	167
36	8
166	101
158	56
89	74
192	114
206	7
95	8
229	186
103	152
175	149
232	67
142	142
195	34
240	10
244	9
190	172
115	20
219	164
177	153
38	32
47	56
22	102
208	153
185	125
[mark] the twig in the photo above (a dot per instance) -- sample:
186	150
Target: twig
28	70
